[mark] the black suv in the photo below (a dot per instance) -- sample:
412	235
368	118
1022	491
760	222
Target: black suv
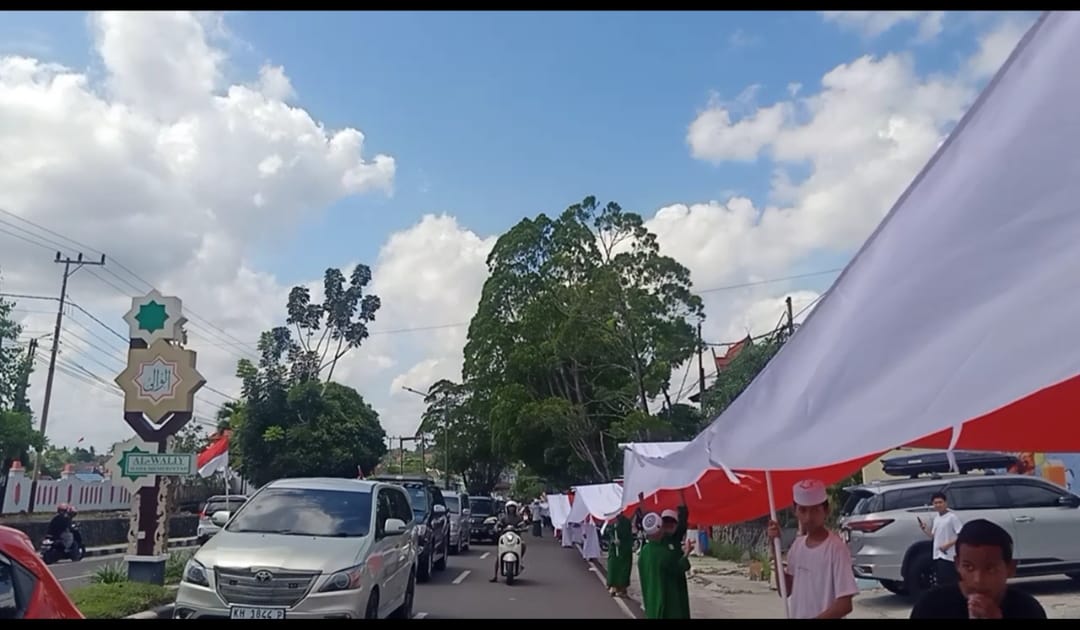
430	517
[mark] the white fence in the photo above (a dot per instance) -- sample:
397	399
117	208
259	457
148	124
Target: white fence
86	496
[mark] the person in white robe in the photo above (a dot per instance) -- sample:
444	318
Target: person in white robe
590	548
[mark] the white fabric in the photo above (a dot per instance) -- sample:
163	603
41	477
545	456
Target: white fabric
590	547
821	575
677	469
559	509
577	535
653	449
602	501
945	529
567	537
809	492
922	330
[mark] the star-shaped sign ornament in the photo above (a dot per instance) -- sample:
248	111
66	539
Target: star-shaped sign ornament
124	457
154	317
117	463
160	380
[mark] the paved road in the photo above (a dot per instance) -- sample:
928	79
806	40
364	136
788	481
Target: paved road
556	584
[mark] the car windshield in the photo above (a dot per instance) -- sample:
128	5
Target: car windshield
453	504
480	507
419	499
305	512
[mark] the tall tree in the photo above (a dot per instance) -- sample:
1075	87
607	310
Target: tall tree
12	358
326	332
578	326
463	435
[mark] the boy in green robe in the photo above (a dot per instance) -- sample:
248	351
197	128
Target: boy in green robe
620	558
662	567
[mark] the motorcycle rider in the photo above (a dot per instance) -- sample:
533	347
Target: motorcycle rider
60	526
510	519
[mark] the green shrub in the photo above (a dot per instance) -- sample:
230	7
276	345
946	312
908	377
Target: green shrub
725	551
112	573
117	600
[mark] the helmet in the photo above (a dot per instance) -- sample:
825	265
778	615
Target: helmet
63	508
511	504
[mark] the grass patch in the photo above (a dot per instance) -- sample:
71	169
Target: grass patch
174	566
119	599
725	551
111	574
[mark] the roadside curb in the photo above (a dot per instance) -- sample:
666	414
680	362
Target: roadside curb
601	570
161	612
112	550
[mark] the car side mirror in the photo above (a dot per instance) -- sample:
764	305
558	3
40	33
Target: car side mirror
393	527
220	517
466	512
440	509
9	606
1069	500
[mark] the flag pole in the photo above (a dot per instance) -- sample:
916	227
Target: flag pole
781	578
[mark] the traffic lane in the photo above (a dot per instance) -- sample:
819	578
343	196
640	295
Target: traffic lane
557	583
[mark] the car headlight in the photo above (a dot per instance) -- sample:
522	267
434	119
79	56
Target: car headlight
344	580
195	573
491	520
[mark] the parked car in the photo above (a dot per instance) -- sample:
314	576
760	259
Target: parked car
219	503
457	506
879	521
481	527
430	516
28	589
316	548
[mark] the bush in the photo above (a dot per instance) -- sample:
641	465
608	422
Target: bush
110	574
119	599
725	551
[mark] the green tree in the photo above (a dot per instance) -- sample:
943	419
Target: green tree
579	324
12	360
326	332
463	434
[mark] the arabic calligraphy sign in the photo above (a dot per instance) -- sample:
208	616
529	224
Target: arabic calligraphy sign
160	380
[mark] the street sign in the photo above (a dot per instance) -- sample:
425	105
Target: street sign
135	463
155	317
160	380
116	473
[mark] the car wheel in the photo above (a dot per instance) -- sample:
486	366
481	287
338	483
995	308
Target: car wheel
405	611
893	586
372	610
440	564
920	575
424	567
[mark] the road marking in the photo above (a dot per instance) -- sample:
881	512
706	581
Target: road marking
419	615
618	600
485	554
461	578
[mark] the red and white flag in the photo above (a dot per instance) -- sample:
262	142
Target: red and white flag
215	457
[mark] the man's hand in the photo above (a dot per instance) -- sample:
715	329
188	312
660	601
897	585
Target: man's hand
641	497
773	530
688	546
982	607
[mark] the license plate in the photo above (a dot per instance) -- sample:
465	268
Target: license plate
247	612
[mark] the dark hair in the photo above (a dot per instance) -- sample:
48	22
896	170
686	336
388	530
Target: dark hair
938	495
983	533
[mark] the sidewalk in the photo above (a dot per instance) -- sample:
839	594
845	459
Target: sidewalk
721	589
113	550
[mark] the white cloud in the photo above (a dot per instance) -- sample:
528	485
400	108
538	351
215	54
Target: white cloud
178	172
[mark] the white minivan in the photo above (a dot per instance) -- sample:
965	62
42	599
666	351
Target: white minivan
317	548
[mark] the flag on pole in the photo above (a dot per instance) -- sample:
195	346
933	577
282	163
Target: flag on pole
215	457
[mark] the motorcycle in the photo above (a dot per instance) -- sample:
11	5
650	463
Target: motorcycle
52	549
510	554
605	540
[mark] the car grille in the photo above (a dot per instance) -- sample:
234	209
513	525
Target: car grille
263	588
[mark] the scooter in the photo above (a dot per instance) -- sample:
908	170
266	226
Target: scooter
510	554
52	549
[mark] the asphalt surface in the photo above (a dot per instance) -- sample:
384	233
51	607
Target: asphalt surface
75	574
557	583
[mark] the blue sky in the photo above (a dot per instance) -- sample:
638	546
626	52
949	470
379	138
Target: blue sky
489	117
493	116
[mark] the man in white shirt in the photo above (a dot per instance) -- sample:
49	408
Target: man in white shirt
945	529
819	577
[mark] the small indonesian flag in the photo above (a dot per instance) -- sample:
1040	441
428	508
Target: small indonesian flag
216	456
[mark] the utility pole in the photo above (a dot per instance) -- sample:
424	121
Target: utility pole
790	318
700	367
446	447
79	263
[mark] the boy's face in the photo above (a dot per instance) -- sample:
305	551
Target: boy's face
811	518
983	570
670	525
940	505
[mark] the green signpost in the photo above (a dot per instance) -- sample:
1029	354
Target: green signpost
137	463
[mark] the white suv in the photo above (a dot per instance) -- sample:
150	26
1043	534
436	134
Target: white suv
879	521
315	548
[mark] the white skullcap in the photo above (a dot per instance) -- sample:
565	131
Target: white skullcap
672	514
652	523
809	492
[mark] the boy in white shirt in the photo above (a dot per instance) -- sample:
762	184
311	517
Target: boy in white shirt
820	580
945	529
